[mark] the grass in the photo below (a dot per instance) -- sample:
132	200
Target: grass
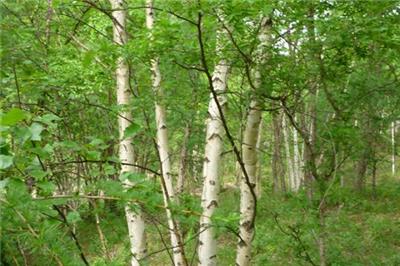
361	229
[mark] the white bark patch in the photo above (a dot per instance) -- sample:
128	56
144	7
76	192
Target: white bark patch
126	152
251	132
163	151
211	186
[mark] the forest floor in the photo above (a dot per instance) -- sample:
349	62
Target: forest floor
360	229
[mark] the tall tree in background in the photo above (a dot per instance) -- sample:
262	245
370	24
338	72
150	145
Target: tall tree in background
248	183
135	221
163	150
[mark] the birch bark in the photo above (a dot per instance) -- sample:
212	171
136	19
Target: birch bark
296	160
134	219
277	164
163	151
211	186
251	132
289	162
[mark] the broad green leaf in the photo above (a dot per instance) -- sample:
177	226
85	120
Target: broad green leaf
93	155
44	152
36	129
5	161
98	144
132	177
3	183
113	159
13	116
109	169
38	174
22	134
131	130
48	119
46	187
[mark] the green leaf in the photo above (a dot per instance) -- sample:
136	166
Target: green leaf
46	187
22	134
36	129
131	130
48	119
113	159
5	161
38	174
132	177
13	116
109	169
44	152
93	155
98	144
70	145
73	217
3	183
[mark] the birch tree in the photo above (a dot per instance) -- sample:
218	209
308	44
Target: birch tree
277	163
297	160
134	219
212	157
163	150
249	148
289	162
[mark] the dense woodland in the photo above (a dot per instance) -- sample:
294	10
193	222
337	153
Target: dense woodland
200	132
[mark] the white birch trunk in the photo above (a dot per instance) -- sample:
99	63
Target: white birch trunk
163	150
211	186
251	132
297	160
126	153
289	162
247	204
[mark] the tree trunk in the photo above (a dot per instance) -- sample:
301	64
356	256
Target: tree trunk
247	204
249	150
297	160
311	128
163	150
211	186
126	153
374	165
322	234
289	162
180	187
362	166
277	169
